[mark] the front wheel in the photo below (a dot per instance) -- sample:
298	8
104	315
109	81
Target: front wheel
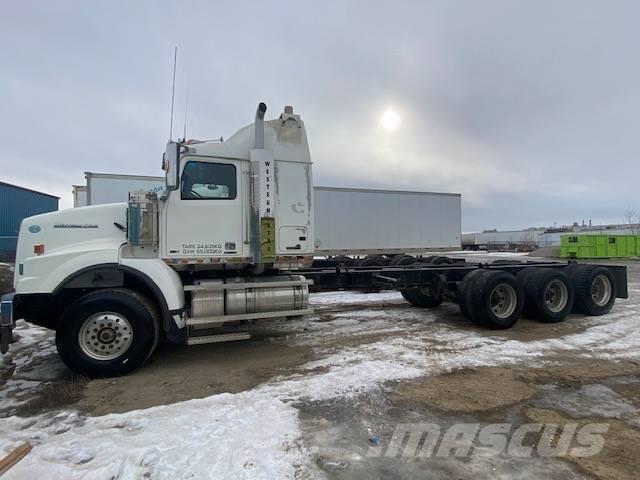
108	333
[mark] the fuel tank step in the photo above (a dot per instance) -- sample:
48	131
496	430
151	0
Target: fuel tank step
217	319
221	337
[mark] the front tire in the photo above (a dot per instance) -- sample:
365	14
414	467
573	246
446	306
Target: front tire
108	333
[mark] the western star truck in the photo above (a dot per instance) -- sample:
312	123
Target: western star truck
229	241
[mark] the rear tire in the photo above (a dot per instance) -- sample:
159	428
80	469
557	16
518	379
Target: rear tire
402	260
422	297
371	261
523	277
108	333
496	299
441	261
548	295
465	288
506	261
344	260
594	289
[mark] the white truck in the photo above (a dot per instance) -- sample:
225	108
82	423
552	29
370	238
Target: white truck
229	242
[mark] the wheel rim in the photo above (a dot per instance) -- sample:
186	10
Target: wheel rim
105	336
556	296
503	300
601	290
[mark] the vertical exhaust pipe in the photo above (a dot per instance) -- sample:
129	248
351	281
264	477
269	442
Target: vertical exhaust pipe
259	125
255	182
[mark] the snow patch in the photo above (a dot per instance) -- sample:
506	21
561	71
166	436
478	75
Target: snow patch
246	435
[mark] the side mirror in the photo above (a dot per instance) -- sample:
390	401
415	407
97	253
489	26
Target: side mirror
171	165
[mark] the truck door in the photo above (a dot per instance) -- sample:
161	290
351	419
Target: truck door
204	217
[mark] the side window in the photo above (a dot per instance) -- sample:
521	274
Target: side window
206	181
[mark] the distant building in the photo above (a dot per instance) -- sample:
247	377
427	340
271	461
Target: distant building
534	237
17	203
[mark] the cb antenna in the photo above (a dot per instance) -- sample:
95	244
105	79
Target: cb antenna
186	109
173	91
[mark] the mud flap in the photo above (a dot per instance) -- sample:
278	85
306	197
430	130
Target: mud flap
6	322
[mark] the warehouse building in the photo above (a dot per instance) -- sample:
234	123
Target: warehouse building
17	203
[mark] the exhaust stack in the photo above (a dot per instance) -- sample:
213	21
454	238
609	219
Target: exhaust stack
262	201
259	125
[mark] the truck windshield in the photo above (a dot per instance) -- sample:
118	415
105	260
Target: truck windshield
203	180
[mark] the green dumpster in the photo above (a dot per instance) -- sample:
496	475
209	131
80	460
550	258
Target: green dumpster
599	246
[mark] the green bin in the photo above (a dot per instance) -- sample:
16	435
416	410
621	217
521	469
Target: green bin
599	246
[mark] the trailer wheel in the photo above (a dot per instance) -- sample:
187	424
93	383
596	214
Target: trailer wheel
465	288
402	260
108	333
496	299
548	295
594	289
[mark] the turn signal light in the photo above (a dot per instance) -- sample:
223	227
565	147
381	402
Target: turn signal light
38	249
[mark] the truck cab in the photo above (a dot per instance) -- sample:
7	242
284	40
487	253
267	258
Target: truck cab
193	264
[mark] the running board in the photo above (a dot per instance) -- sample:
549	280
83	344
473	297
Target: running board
221	337
245	316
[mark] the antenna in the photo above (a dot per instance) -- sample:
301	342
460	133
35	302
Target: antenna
173	91
186	109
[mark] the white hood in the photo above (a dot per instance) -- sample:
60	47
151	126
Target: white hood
69	232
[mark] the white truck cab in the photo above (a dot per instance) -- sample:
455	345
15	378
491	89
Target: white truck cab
187	264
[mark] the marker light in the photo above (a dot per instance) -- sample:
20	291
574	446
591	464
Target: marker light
38	249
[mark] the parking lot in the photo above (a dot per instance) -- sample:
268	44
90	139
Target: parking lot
321	397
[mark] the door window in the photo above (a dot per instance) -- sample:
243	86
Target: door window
207	181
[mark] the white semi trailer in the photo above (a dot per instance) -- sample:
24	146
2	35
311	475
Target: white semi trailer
228	242
414	222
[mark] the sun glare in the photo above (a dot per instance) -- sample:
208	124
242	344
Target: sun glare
390	120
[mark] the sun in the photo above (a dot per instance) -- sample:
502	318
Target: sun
390	120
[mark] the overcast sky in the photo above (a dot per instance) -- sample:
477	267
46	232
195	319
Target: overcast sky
529	109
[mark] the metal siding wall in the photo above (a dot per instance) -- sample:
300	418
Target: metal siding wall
16	204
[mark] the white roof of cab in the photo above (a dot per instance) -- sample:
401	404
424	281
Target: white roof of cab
285	137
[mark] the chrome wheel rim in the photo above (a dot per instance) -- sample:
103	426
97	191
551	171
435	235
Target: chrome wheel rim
503	300
556	296
105	336
601	290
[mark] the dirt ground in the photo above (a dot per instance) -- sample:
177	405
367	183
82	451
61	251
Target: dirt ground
364	364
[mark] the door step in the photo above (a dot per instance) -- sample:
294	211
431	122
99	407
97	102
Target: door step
221	337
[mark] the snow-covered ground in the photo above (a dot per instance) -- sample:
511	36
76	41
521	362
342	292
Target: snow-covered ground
257	433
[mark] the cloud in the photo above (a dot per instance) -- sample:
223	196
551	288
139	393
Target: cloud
527	109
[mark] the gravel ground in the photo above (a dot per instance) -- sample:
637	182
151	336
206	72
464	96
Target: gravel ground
321	397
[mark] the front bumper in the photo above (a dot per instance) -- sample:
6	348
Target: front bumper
6	321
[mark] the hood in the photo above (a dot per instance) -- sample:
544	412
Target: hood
71	229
